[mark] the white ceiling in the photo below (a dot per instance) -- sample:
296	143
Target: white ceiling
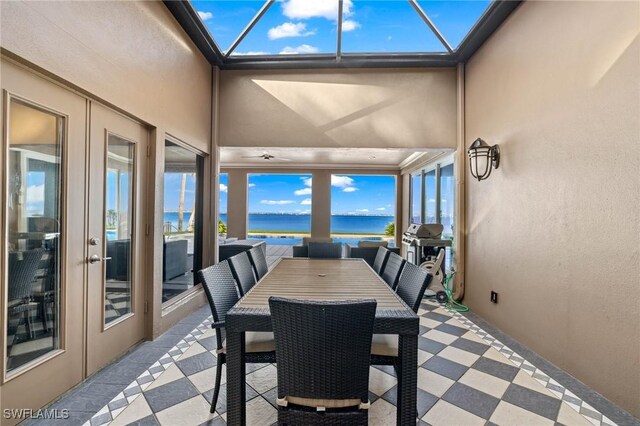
321	157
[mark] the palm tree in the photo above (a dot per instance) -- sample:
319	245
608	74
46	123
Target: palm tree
183	185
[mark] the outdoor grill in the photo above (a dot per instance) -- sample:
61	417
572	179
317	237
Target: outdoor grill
423	240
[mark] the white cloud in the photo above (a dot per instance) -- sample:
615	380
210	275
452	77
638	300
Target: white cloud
249	53
223	187
276	202
432	200
307	181
381	209
305	9
350	25
205	15
289	29
303	191
362	210
35	193
350	189
251	185
306	202
303	48
341	181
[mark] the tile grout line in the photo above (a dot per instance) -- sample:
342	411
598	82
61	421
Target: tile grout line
560	392
121	401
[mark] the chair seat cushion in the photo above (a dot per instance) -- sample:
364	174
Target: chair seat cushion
384	344
326	403
256	341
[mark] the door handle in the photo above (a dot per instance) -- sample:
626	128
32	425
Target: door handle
95	258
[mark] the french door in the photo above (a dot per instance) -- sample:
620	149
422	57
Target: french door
116	240
72	239
43	159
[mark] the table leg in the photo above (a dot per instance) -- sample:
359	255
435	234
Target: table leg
236	408
407	380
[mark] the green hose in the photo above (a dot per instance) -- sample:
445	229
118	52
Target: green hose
452	304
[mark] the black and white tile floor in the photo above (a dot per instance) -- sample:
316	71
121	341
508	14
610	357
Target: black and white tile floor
465	377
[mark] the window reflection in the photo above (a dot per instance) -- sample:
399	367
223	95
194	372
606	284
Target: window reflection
118	227
182	245
34	225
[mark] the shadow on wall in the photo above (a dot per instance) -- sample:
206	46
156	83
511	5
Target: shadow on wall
391	109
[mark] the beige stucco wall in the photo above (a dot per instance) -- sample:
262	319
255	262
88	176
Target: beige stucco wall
556	229
134	57
348	108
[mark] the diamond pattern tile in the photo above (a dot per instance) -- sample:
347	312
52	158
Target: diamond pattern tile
465	376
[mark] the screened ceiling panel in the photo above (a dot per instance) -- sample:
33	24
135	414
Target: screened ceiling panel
391	26
288	28
225	20
455	18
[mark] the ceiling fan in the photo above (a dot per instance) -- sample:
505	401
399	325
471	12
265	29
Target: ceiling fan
268	157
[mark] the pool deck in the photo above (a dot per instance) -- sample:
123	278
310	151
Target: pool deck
275	252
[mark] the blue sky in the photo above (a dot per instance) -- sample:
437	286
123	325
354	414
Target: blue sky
354	194
309	26
172	183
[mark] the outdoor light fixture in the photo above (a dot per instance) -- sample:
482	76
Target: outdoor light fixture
482	158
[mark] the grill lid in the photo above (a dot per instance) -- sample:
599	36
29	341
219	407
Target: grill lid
426	230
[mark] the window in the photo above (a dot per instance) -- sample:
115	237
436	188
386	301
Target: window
363	208
434	201
182	245
279	208
447	199
430	196
222	204
416	198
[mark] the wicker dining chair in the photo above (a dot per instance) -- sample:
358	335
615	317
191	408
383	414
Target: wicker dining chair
222	294
412	284
411	287
242	271
381	259
323	351
23	272
392	269
325	250
259	262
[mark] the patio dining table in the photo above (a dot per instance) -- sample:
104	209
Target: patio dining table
322	279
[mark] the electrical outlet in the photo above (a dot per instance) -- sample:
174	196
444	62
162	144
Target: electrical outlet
494	297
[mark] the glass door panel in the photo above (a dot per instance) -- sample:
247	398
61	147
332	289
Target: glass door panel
34	216
119	203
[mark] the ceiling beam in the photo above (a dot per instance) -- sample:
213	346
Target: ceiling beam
430	24
248	28
488	23
188	18
339	35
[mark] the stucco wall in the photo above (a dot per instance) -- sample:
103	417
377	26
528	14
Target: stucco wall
556	229
349	108
133	55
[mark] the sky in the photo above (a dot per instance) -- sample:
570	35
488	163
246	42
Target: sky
353	195
310	26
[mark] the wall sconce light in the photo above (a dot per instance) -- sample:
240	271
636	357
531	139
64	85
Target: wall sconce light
483	158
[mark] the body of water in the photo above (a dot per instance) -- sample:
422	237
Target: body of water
302	223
